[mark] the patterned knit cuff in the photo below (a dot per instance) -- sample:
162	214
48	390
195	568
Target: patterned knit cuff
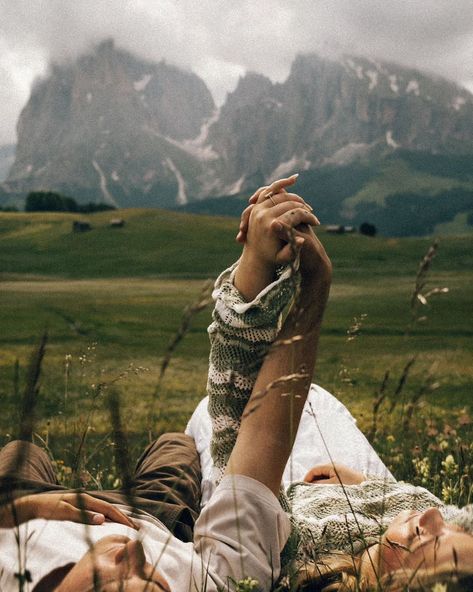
265	309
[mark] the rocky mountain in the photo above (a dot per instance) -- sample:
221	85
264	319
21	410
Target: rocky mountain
108	128
111	127
333	111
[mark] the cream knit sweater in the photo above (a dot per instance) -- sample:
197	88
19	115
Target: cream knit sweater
324	517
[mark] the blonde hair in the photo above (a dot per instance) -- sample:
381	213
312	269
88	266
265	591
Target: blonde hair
343	573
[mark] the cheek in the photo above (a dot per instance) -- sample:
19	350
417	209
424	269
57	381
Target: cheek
392	557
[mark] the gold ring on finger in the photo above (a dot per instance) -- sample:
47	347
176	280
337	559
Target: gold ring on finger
270	196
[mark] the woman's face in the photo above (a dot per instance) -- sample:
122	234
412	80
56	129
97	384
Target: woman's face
420	540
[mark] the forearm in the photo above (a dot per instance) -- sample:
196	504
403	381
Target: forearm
15	512
278	232
273	413
253	275
241	334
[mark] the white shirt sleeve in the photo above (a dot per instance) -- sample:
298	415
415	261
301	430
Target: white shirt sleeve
242	531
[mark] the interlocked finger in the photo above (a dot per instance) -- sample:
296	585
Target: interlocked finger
244	221
278	198
274	201
291	218
276	187
254	198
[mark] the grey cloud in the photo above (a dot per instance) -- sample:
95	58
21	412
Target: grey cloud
221	39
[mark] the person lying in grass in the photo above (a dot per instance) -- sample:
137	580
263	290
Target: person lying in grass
354	533
66	542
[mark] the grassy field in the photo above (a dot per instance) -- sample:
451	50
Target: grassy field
398	177
112	300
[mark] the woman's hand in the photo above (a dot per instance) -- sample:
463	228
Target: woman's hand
270	237
276	187
334	474
76	507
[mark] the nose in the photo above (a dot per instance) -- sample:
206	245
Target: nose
131	557
432	521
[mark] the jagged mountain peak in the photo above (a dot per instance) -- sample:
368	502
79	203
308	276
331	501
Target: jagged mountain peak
111	126
250	88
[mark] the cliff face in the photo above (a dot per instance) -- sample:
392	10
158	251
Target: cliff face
332	111
111	127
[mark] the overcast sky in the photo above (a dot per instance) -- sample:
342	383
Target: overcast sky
221	39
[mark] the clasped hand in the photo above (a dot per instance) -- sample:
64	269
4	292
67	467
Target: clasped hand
276	228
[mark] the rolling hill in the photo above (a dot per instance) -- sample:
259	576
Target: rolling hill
162	243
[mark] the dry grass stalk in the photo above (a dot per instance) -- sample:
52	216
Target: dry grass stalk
354	330
122	455
16	380
30	395
396	397
286	380
202	302
428	386
80	460
380	396
374	567
419	297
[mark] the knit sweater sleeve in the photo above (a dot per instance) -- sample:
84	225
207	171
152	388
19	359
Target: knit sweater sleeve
241	334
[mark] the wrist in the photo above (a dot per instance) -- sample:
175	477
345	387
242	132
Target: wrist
14	513
312	300
21	510
253	274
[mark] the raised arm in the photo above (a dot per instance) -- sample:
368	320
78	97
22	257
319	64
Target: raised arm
246	321
272	415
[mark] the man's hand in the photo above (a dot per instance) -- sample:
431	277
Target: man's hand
315	265
334	474
76	507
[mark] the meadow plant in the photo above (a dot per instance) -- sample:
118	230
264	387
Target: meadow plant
419	442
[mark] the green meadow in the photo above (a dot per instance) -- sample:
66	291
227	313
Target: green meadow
112	300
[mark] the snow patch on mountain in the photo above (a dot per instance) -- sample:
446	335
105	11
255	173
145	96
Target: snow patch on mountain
413	87
347	154
234	187
393	83
272	103
108	197
356	68
197	146
200	152
458	103
390	140
181	197
289	166
142	83
373	78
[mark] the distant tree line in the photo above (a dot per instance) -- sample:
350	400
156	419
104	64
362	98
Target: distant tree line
49	201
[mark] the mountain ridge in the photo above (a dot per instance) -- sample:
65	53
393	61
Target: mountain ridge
133	133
